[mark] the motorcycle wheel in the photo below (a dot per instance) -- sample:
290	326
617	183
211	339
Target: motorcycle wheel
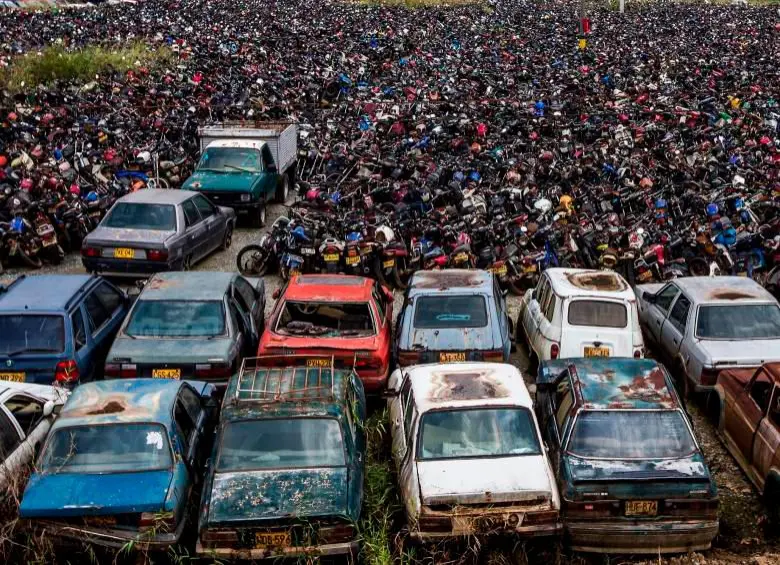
698	267
56	255
252	261
284	272
514	289
32	262
379	272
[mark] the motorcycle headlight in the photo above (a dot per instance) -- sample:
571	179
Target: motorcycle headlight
246	197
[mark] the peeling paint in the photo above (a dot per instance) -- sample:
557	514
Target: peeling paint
597	280
471	385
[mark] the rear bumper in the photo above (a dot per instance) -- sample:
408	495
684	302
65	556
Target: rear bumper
109	538
345	548
125	268
543	530
668	536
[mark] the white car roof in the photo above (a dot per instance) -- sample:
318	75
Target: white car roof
723	290
44	392
240	143
452	385
589	283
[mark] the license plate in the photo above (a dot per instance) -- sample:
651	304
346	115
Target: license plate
647	275
388	264
331	257
100	521
166	373
641	507
529	268
452	357
596	352
365	250
94	214
352	260
307	251
318	362
124	253
263	541
49	242
13	377
461	257
500	271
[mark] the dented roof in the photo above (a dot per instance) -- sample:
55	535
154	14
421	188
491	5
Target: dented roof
425	282
187	285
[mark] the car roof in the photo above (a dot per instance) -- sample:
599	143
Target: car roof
41	293
120	400
451	385
46	392
187	285
588	282
433	282
329	288
157	196
723	290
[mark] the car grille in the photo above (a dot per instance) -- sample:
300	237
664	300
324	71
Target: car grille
223	198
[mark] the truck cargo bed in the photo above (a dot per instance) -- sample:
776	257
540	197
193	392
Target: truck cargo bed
281	137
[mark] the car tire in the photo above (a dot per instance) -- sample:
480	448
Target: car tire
681	382
228	239
714	409
261	216
772	501
283	190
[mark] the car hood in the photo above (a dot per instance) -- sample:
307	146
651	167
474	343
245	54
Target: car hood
310	344
725	353
612	470
227	182
472	481
148	350
264	495
79	494
116	237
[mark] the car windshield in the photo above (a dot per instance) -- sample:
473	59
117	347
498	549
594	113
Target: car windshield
30	333
326	319
479	432
230	160
598	313
291	443
746	321
108	448
176	318
139	216
444	311
631	434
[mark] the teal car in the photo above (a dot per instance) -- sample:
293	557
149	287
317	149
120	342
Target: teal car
189	325
285	478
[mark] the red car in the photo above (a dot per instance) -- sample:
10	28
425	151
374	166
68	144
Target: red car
349	318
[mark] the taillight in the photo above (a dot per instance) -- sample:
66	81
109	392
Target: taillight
157	255
157	521
408	358
637	353
594	509
90	251
212	538
435	524
547	516
340	533
554	351
495	356
66	372
709	376
367	364
213	371
121	370
696	507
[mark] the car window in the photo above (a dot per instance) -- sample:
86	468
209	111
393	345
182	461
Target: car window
598	313
549	306
109	297
184	423
239	317
744	321
326	319
79	329
160	217
544	289
679	314
31	332
9	437
191	216
230	160
97	312
176	318
664	298
760	390
27	411
774	409
563	409
379	298
191	403
205	207
406	401
245	294
450	311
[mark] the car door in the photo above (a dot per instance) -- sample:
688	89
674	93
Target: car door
81	344
247	297
546	332
409	482
658	309
502	320
214	222
399	408
270	176
767	440
673	330
27	413
242	326
104	307
357	450
748	409
533	312
195	233
12	458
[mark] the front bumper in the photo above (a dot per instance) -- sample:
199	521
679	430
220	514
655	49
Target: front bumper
345	548
667	536
125	268
108	538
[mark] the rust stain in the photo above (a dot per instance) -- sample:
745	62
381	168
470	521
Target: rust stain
465	386
648	387
448	279
110	407
729	294
162	283
597	281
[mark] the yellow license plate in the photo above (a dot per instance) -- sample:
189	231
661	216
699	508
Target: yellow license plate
529	268
461	257
647	275
452	357
596	352
124	253
389	263
263	541
331	257
641	507
352	260
500	271
166	373
13	377
100	521
318	362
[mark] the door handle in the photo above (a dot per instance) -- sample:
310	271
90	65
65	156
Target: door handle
676	342
658	322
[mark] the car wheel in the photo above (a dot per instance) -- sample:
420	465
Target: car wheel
772	501
283	190
228	239
261	216
681	382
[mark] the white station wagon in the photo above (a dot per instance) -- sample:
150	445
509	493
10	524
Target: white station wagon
580	313
468	452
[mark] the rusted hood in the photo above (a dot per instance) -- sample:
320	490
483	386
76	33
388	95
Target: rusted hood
476	481
690	468
269	495
117	236
308	344
750	353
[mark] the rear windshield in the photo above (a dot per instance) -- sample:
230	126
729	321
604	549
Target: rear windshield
281	444
631	434
29	333
748	321
326	319
108	448
161	217
457	434
176	318
465	311
598	313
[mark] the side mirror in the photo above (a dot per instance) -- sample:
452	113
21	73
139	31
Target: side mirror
277	293
393	384
48	408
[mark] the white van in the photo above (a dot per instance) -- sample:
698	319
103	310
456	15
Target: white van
581	313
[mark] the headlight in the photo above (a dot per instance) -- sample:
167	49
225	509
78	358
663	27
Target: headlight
246	197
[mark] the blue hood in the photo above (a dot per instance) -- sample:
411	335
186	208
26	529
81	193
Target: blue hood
72	494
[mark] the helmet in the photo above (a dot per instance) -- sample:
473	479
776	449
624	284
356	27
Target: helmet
299	233
26	184
660	203
384	234
75	189
712	209
3	160
312	194
92	196
543	205
566	201
739	204
474	175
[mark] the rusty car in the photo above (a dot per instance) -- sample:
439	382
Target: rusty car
120	466
286	472
347	317
745	406
453	315
703	325
630	472
469	454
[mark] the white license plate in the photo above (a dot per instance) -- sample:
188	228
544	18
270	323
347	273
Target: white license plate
307	251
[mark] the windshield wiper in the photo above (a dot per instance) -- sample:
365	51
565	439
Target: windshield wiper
212	170
243	170
30	350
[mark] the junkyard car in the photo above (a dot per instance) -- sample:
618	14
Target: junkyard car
703	325
452	315
581	313
347	317
286	474
121	463
26	414
746	410
189	325
469	454
150	231
631	476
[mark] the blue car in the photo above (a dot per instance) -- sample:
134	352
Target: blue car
453	315
121	462
58	328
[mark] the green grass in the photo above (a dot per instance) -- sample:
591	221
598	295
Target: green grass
56	63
